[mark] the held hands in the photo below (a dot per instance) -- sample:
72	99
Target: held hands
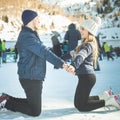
69	68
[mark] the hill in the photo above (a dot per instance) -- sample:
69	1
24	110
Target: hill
58	14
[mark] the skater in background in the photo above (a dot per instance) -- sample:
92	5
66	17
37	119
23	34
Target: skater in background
72	36
56	46
65	47
14	49
0	51
107	51
65	54
4	51
84	59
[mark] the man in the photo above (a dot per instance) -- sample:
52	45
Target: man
31	67
107	51
3	51
72	35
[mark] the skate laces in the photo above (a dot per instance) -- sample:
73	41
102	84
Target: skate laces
2	106
109	92
4	97
117	99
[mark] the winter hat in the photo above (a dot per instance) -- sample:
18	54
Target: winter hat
92	25
28	15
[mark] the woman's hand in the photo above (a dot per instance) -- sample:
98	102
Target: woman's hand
69	68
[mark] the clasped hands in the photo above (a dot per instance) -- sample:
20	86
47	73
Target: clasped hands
69	68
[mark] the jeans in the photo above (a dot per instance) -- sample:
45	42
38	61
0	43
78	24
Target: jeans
82	100
31	105
4	56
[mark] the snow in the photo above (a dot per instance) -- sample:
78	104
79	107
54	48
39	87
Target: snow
64	2
109	29
58	92
111	36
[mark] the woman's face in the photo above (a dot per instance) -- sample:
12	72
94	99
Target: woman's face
84	33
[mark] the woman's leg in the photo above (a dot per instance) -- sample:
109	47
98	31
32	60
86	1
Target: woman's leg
32	104
82	101
93	98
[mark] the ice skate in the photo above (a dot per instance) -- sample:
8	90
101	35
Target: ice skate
119	95
3	98
106	94
113	101
2	107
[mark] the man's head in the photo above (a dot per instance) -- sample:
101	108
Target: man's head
30	19
28	16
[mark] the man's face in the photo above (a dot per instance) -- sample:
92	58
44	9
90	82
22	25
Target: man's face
36	23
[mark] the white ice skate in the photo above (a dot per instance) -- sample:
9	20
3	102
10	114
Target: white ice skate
113	101
106	94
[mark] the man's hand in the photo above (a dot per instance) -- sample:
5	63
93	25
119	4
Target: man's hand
69	68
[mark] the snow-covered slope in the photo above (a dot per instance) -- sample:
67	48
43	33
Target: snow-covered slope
110	21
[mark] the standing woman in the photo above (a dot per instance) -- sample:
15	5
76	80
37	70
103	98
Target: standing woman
0	50
84	60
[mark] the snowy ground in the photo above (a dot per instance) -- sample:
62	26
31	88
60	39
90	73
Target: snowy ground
58	92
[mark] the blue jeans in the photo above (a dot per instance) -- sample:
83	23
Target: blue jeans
4	57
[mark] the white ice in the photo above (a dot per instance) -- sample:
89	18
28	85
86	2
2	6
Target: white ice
58	92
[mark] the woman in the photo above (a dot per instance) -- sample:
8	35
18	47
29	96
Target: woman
84	60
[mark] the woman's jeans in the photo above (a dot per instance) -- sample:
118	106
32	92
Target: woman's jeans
82	100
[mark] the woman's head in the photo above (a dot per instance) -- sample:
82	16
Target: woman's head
89	26
87	36
88	30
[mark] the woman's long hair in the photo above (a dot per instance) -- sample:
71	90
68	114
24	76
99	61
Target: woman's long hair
92	40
